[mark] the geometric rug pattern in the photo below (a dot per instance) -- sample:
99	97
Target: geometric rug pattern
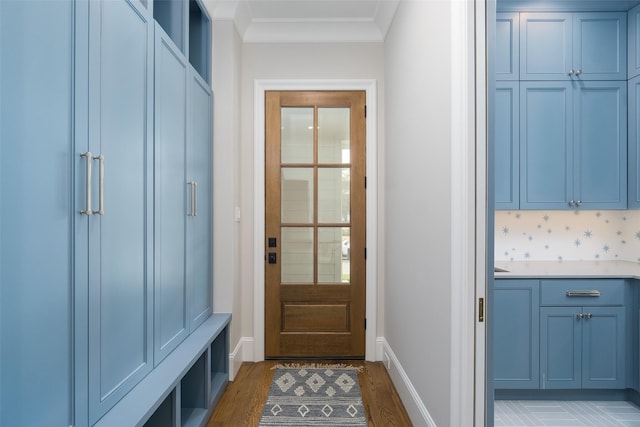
520	413
314	396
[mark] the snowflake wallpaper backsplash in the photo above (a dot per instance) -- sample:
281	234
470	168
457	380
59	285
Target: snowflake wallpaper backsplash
567	235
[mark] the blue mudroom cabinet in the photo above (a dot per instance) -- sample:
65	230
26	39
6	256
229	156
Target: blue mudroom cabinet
573	139
634	142
573	46
88	323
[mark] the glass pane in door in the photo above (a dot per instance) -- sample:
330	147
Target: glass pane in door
297	195
333	195
333	135
333	255
297	255
297	135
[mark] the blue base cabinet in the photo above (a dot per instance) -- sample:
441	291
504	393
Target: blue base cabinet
516	334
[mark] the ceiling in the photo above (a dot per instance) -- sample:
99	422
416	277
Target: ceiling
266	21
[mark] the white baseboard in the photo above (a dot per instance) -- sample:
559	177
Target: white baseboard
414	405
242	352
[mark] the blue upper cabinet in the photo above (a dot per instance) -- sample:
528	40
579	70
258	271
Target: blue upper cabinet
120	237
633	42
545	46
507	65
37	163
573	145
600	145
546	141
171	323
507	147
573	46
634	143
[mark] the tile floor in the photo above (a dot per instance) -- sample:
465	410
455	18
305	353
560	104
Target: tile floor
517	413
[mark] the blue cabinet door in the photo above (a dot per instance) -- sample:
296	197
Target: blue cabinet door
634	143
560	347
600	46
580	46
171	323
37	212
120	245
603	352
546	46
507	64
199	175
546	144
507	145
516	334
600	147
633	42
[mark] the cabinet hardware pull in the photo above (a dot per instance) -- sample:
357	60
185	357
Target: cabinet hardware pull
195	198
579	316
194	206
593	293
87	211
571	72
578	72
100	210
588	315
572	203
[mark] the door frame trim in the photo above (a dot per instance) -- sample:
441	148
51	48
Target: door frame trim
370	88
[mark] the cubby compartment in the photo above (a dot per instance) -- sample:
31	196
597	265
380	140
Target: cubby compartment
193	393
199	39
170	14
165	415
219	360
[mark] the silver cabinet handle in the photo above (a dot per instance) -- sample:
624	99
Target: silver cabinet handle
89	157
588	315
571	72
192	212
581	293
572	203
195	199
100	210
579	316
578	72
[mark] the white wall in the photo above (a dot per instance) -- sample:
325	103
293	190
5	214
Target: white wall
417	257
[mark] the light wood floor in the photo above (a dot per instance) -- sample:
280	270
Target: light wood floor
242	402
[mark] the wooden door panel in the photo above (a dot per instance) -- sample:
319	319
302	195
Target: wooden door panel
315	221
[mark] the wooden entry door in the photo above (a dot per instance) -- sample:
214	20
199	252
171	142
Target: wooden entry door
315	224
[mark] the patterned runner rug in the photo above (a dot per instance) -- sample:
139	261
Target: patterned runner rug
318	396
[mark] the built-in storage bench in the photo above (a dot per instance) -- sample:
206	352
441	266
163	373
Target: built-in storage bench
182	390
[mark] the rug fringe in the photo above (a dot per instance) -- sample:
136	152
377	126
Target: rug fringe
316	366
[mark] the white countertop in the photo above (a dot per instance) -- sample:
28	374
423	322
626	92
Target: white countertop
568	269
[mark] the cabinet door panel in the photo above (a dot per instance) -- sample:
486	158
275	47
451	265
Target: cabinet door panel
199	248
600	131
171	325
603	354
634	143
37	159
516	334
545	46
507	64
560	347
507	147
546	136
119	129
633	42
600	46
